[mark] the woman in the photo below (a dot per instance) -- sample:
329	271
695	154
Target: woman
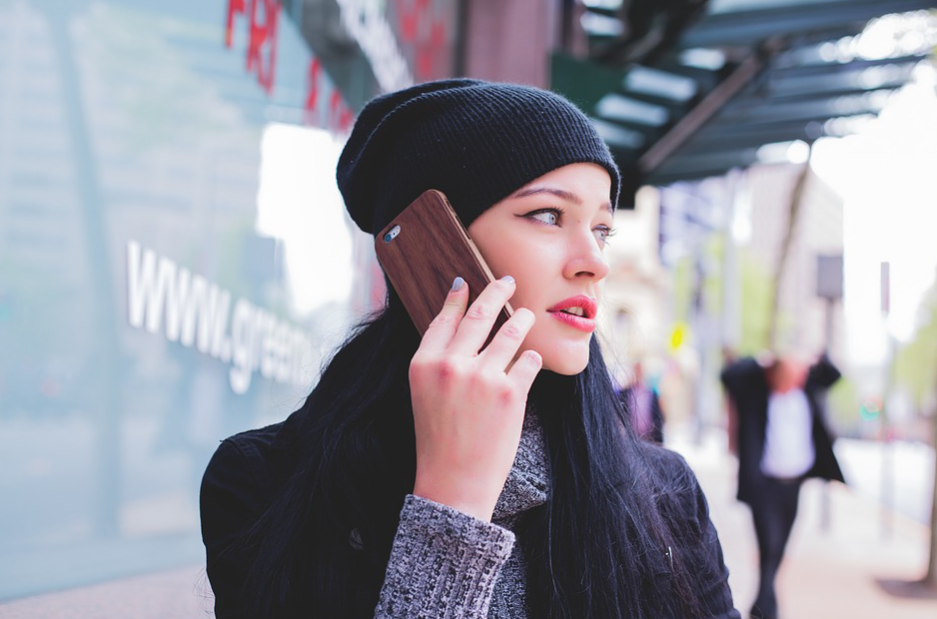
423	478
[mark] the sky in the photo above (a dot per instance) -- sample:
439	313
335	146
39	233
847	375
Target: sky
886	175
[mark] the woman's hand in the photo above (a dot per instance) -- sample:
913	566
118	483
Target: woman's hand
468	406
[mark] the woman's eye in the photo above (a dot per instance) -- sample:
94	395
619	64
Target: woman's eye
603	233
549	217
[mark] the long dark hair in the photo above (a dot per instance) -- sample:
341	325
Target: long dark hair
597	548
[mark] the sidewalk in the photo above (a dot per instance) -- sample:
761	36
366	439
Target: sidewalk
174	594
827	572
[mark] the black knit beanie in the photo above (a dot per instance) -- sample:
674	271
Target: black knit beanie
477	142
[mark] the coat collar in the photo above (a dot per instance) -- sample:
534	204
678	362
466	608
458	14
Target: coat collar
528	482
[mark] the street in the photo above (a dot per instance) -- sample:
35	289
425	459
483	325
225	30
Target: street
839	570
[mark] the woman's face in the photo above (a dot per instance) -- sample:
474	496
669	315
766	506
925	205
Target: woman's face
549	236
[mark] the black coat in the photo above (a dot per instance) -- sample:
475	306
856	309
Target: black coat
747	386
249	469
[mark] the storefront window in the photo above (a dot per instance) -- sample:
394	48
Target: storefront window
175	262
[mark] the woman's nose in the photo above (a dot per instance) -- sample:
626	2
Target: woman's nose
585	258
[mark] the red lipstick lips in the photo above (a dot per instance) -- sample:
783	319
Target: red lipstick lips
577	312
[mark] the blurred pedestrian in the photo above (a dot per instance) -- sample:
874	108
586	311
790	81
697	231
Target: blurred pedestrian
642	405
782	440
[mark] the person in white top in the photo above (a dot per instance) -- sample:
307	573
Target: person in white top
789	452
781	439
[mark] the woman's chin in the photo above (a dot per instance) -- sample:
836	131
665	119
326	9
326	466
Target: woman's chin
566	364
561	353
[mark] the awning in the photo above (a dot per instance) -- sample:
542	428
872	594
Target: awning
688	88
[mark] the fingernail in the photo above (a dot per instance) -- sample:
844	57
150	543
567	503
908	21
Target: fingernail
457	284
507	279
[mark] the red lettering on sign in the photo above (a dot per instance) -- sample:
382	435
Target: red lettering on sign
312	96
346	120
427	53
262	18
234	7
409	20
427	35
261	37
338	117
335	104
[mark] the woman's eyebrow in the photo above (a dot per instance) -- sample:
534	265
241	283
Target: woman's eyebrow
560	193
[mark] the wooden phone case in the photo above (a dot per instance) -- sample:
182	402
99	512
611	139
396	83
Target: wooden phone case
429	250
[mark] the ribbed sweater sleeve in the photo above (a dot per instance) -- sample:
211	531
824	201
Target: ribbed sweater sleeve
443	563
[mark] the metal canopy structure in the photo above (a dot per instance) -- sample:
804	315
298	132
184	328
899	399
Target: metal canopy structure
686	89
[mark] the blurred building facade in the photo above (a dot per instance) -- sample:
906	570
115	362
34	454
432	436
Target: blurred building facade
817	231
695	265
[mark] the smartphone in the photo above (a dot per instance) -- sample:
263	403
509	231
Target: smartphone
423	250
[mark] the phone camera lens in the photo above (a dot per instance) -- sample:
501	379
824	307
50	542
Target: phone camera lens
392	234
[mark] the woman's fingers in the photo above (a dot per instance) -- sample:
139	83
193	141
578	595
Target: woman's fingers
507	341
467	409
443	327
480	317
525	369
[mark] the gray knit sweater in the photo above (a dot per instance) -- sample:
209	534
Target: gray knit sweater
445	563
